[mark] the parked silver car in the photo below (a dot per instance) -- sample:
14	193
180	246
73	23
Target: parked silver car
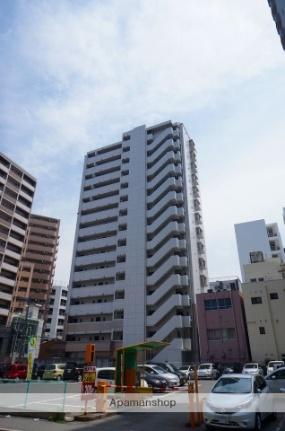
238	401
172	379
207	371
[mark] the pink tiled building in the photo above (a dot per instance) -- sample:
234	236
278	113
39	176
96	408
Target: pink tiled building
222	327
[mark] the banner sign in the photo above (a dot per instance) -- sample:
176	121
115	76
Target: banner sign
88	387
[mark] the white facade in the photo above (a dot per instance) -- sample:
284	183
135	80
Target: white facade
139	254
54	327
258	240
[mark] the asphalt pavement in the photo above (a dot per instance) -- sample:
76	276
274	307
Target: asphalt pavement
123	422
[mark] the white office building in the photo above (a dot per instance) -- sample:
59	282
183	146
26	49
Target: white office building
54	327
139	253
258	241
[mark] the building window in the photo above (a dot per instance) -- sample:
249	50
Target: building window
119	294
210	304
125	173
118	314
224	303
262	330
122	242
123	212
253	280
121	259
261	279
256	300
221	334
274	295
122	227
126	149
217	304
256	256
124	185
126	160
124	198
120	276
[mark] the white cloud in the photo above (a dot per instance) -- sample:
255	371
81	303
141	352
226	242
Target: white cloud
83	72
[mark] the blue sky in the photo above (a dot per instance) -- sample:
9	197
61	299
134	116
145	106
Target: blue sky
76	74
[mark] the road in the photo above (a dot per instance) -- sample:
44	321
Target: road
125	422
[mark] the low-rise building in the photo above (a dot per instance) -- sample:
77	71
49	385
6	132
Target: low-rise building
222	327
264	299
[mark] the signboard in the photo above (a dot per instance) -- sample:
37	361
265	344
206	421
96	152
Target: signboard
32	348
88	387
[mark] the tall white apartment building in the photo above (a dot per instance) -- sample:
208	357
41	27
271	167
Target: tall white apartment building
55	322
258	241
17	189
139	253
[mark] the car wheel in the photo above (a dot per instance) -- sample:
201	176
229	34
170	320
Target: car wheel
258	422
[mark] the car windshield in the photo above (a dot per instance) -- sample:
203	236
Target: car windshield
158	369
50	367
204	367
233	385
250	366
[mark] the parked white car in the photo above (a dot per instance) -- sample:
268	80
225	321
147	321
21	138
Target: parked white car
252	368
273	365
207	371
238	401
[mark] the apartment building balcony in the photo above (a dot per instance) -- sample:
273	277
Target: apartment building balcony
171	244
155	140
173	323
96	258
51	242
91	308
175	281
92	274
5	296
6	281
91	291
95	327
79	346
171	303
170	168
4	311
28	185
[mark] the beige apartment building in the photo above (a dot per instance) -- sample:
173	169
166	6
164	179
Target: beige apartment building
264	300
17	188
36	272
